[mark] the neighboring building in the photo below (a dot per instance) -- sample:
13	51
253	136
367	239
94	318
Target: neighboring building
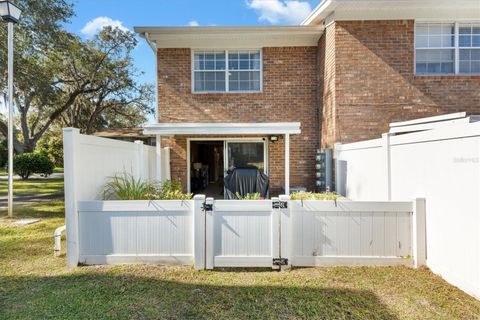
126	134
343	76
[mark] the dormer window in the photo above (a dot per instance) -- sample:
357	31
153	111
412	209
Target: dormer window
227	71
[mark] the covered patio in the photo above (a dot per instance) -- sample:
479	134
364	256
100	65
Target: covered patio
224	132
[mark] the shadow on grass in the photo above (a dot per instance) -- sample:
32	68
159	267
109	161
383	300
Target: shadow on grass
128	296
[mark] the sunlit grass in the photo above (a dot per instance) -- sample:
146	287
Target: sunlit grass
34	186
36	285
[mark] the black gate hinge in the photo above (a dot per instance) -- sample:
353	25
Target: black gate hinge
207	207
280	261
279	204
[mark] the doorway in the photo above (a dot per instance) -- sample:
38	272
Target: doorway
207	168
209	161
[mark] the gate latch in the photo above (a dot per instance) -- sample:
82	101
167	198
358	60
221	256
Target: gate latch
207	207
279	204
280	261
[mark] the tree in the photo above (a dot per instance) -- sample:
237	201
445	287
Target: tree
57	74
119	101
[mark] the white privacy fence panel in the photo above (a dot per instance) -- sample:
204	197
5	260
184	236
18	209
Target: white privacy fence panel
88	162
241	233
136	231
238	233
440	165
345	232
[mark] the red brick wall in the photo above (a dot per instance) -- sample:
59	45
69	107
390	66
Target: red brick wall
290	78
374	82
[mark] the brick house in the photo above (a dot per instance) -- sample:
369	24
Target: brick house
272	96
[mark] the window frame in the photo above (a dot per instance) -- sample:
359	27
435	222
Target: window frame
456	48
227	70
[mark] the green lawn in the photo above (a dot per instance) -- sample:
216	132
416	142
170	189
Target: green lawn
33	187
36	285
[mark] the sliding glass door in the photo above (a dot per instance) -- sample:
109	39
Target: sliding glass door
246	154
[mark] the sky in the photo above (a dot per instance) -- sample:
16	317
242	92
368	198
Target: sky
92	15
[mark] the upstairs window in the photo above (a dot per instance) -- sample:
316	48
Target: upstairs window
227	71
447	48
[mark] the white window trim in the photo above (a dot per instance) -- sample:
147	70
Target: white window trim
227	89
456	48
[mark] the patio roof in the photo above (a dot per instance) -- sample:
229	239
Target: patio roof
225	128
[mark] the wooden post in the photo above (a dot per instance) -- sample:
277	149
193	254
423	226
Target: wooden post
70	144
419	233
287	164
199	239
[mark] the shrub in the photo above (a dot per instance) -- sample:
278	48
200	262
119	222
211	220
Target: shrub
249	196
172	190
3	153
52	147
126	187
315	196
27	164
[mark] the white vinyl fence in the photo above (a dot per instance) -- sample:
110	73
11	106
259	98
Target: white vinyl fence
441	165
265	233
89	161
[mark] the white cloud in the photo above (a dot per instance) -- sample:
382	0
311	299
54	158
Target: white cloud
280	11
97	24
193	23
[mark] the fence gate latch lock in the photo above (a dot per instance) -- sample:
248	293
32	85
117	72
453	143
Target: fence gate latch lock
207	207
280	204
280	261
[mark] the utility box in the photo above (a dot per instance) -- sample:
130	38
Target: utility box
324	170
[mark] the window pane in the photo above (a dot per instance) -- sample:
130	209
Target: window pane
421	68
465	41
244	155
435	61
421	41
469	61
476	41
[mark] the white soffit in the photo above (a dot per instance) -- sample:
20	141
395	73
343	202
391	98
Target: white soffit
349	10
264	128
233	37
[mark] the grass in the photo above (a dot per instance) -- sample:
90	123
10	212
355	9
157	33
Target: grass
34	186
36	285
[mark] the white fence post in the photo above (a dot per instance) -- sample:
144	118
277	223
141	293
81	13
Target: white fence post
388	171
70	143
286	231
210	234
275	236
199	232
141	160
419	233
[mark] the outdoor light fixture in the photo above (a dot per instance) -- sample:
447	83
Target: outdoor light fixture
273	139
10	14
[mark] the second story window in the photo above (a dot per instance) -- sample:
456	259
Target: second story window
227	71
447	48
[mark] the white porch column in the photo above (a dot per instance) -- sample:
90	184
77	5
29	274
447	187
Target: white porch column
158	148
287	164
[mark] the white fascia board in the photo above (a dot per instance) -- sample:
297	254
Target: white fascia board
233	37
265	128
351	10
